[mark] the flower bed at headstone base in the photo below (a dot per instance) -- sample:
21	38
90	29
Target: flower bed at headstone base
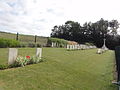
22	61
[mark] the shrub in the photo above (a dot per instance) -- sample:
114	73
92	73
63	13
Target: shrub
35	60
2	67
61	42
89	44
31	45
39	45
23	44
8	43
14	65
23	61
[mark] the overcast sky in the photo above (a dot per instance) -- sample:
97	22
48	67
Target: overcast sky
37	17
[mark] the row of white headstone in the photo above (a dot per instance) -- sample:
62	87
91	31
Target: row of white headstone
13	53
79	47
56	44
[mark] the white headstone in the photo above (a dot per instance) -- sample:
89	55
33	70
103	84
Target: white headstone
13	52
78	46
39	52
99	51
73	47
68	47
95	47
83	47
86	47
52	44
55	44
90	47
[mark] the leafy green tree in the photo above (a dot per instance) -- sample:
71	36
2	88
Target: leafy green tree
69	31
99	31
114	25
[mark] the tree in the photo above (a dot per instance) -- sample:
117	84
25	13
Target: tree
112	41
114	25
69	31
90	32
55	31
98	31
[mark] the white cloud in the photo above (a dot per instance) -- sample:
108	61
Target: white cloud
39	16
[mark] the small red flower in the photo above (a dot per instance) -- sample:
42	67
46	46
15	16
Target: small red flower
28	57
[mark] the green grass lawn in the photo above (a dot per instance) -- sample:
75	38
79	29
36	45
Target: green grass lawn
61	70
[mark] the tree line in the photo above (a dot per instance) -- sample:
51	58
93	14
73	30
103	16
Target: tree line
89	32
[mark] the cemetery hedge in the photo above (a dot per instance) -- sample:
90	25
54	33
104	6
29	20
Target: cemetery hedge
61	42
8	43
61	70
89	44
30	44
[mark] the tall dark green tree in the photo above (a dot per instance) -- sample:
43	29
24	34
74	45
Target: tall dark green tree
69	31
100	31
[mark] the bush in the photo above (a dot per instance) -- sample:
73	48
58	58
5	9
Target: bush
31	45
39	45
60	42
35	60
22	44
8	43
2	67
14	65
89	44
23	61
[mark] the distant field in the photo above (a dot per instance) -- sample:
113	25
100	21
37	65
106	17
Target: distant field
61	70
25	38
